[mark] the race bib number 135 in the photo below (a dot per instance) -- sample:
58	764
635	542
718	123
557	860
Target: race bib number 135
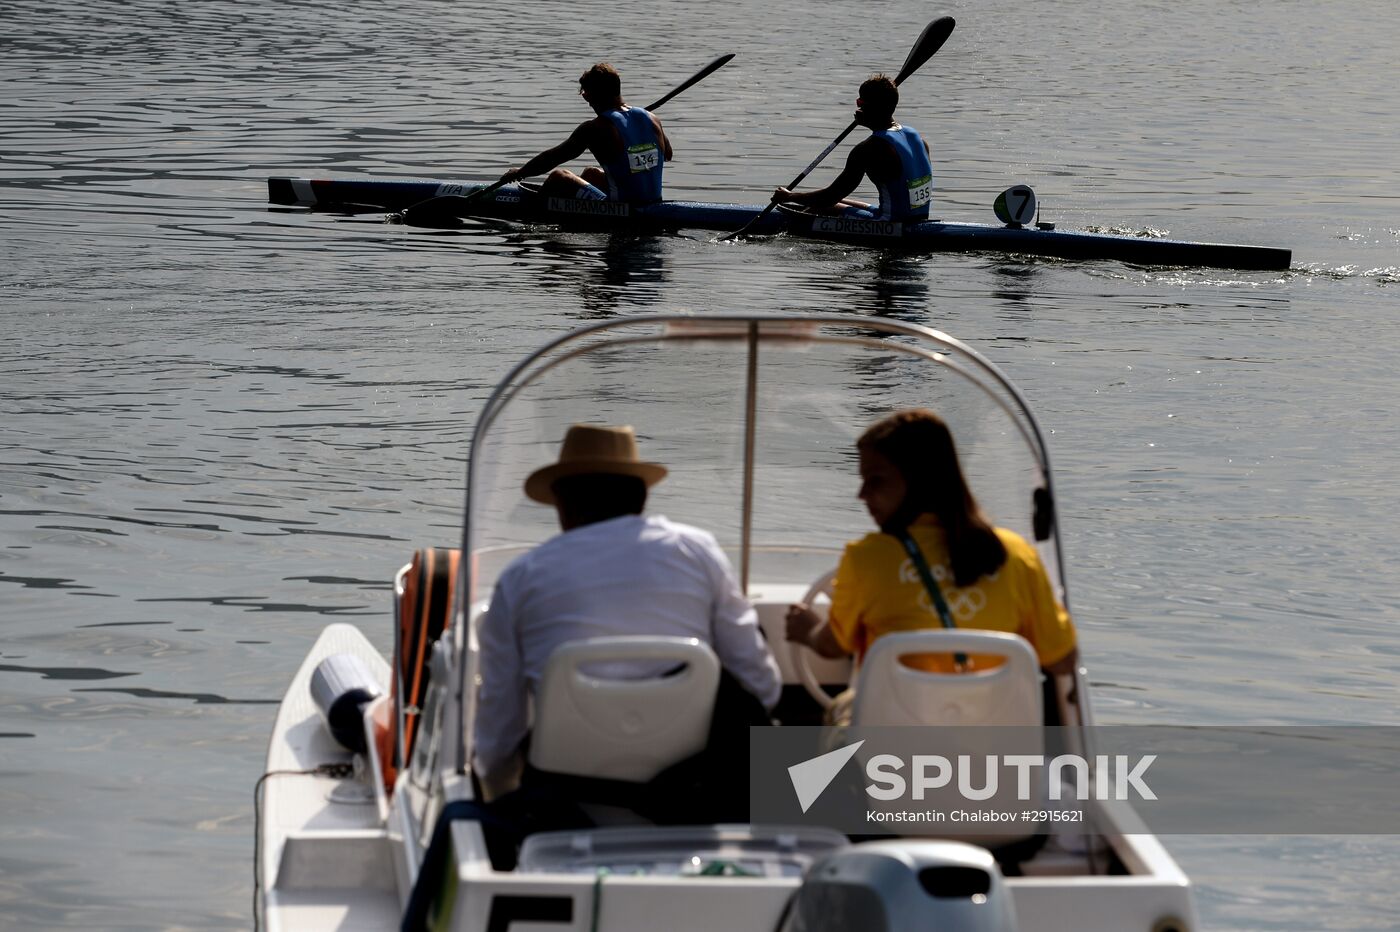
921	191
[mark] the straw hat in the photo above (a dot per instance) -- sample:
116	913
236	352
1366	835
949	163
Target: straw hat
590	450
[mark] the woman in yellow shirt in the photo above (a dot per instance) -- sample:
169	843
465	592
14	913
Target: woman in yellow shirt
989	578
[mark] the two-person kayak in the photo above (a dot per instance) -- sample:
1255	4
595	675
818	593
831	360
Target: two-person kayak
523	202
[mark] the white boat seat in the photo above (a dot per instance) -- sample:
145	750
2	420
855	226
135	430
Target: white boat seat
893	693
623	729
889	692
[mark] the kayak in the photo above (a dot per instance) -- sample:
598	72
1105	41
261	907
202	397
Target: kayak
526	203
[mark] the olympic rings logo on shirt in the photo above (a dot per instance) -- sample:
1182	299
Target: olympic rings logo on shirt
964	603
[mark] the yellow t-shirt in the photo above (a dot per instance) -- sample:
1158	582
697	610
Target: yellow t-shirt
878	590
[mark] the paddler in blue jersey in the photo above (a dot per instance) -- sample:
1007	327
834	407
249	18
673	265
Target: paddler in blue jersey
628	143
895	157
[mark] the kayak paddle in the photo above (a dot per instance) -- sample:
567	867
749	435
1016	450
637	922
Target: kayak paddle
406	215
930	41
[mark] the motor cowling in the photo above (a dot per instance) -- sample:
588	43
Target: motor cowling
341	686
903	886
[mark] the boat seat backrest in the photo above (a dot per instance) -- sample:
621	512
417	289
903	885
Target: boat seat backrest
623	729
890	692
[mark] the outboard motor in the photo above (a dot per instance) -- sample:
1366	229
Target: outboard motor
903	886
341	687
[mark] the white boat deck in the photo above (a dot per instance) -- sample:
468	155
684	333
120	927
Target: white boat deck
329	864
326	860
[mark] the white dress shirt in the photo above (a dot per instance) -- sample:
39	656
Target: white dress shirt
626	575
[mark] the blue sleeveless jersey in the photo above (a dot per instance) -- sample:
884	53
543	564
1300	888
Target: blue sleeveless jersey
906	198
635	175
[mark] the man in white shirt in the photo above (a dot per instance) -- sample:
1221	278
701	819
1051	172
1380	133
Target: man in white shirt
611	572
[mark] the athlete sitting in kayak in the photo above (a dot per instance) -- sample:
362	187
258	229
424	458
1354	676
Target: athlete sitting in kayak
895	157
628	143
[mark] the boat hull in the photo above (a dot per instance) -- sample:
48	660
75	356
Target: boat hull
344	848
452	200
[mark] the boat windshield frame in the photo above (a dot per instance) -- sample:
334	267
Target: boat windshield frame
917	340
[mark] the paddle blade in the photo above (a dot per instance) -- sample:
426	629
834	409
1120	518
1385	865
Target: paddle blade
930	41
700	75
440	213
715	65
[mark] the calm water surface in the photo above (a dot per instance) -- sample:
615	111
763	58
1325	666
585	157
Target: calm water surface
225	426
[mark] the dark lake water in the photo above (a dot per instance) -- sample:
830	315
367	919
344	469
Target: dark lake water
222	426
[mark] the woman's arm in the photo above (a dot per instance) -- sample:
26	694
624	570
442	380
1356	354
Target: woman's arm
805	627
1065	665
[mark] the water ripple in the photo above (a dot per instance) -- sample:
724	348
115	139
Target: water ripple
196	698
66	673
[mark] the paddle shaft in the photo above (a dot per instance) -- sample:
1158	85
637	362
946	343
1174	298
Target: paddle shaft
699	76
929	42
816	161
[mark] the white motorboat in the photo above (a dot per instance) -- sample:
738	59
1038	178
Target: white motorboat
370	817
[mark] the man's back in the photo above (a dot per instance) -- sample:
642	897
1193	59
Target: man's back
896	160
627	575
621	576
630	147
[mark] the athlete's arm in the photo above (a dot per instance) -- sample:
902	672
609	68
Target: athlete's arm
570	148
831	195
661	135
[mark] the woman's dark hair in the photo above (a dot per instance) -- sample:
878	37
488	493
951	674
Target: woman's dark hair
921	447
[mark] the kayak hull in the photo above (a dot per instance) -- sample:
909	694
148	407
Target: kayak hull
451	200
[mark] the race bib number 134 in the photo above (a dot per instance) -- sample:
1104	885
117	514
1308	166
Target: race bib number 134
643	157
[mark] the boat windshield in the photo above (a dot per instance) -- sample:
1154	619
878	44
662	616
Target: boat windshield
756	420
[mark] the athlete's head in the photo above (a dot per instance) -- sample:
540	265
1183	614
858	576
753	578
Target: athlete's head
601	83
878	98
